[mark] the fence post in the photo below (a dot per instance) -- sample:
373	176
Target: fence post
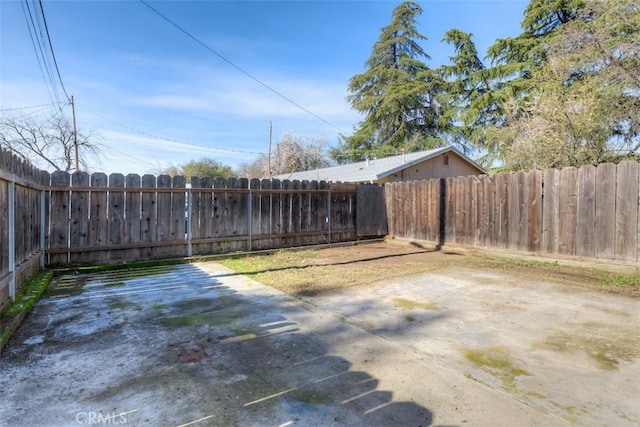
42	227
12	240
189	219
249	215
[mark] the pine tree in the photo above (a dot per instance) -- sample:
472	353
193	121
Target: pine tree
465	84
397	93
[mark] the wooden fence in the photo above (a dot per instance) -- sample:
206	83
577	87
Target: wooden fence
96	219
22	220
587	211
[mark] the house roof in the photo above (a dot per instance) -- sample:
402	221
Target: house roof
372	170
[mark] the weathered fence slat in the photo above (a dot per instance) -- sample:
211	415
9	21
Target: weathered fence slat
626	211
586	226
59	220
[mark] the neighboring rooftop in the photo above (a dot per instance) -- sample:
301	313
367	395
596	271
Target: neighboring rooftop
373	170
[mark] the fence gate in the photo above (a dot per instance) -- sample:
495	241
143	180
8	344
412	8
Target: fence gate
371	212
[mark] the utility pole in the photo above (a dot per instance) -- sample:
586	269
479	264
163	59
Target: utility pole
75	133
269	154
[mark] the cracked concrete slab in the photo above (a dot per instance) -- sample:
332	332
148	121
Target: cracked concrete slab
197	344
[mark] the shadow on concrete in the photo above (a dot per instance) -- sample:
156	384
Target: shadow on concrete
180	345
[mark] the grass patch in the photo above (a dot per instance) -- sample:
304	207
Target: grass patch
606	345
25	300
408	304
497	362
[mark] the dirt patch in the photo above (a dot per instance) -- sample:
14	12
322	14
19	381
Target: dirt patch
337	268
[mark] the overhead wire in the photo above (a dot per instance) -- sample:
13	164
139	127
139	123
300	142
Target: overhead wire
37	49
176	141
243	71
33	106
53	55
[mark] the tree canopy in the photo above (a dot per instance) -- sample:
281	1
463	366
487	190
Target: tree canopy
204	167
581	105
564	92
397	93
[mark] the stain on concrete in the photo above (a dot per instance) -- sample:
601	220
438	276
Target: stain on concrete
498	362
408	304
606	345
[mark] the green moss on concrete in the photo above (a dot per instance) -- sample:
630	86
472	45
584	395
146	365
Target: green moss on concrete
407	304
13	314
497	362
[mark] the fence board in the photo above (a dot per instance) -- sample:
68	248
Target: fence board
371	213
148	215
605	210
163	217
59	228
568	211
4	230
459	210
80	205
534	215
97	218
133	215
450	235
626	211
551	210
585	233
177	230
115	221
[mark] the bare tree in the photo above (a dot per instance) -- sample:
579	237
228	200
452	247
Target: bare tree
47	142
292	153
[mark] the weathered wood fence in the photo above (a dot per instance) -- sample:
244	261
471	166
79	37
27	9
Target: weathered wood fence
22	223
95	218
587	211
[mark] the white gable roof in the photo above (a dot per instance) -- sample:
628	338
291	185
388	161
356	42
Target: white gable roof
372	170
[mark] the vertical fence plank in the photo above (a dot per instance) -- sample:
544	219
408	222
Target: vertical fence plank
316	219
4	233
534	214
239	212
115	222
207	215
605	210
133	205
586	226
163	222
177	230
449	227
296	212
551	210
568	210
266	216
482	211
459	210
626	211
79	228
59	229
256	213
148	214
97	217
196	219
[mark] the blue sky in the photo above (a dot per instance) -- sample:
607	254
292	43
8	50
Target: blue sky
157	97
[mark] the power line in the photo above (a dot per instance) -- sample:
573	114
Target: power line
33	34
176	141
53	55
246	73
32	106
